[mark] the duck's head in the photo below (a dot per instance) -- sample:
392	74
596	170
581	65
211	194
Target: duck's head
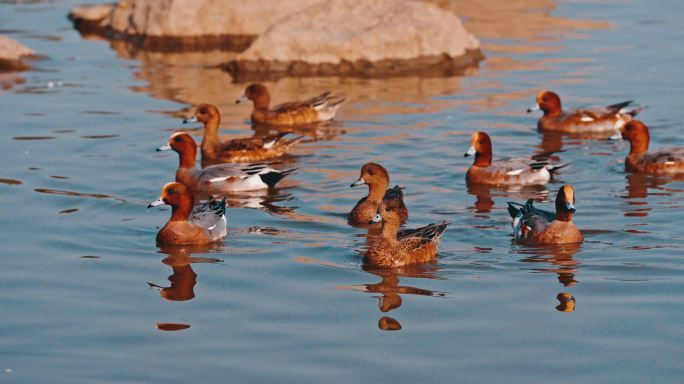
203	114
256	92
373	174
479	143
172	194
182	142
637	133
565	203
547	101
388	212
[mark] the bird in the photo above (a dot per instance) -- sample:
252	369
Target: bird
536	226
190	224
663	161
377	178
320	108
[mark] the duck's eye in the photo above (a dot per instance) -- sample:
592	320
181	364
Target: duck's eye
629	127
172	191
545	98
480	142
177	139
371	172
203	111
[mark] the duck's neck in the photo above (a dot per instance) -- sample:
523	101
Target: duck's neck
262	101
181	211
211	128
639	145
186	158
390	228
483	159
562	214
553	111
377	190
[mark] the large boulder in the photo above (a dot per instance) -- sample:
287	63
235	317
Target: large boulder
184	24
361	38
13	55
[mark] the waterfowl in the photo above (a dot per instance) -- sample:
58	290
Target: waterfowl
520	171
662	161
202	224
320	108
236	150
220	178
585	120
537	226
376	177
395	249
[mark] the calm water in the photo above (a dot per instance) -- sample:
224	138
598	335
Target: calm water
288	299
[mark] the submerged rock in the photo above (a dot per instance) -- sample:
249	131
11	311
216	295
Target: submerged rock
13	55
175	25
373	38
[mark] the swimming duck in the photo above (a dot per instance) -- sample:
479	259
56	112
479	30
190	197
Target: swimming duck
205	223
586	120
376	177
395	249
662	161
538	226
220	178
520	171
320	108
236	150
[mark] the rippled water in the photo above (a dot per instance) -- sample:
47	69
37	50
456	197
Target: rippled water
86	296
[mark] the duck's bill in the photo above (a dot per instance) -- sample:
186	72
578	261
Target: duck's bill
470	152
376	219
190	120
533	108
358	182
164	147
617	136
570	207
240	99
155	203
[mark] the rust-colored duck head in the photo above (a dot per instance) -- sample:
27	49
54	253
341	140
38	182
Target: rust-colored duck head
259	95
205	113
549	102
389	213
565	203
637	133
374	175
481	148
178	197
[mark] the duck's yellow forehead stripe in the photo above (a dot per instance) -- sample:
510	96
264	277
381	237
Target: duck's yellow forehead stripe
569	193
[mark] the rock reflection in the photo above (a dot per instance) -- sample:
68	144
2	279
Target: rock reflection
390	291
556	259
183	279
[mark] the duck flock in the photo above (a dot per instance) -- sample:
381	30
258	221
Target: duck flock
247	164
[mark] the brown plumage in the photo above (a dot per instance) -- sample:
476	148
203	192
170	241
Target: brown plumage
376	177
663	161
320	108
203	224
536	226
395	249
534	170
244	150
596	119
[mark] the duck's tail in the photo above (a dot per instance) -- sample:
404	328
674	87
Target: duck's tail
517	210
272	176
278	140
326	105
555	167
626	108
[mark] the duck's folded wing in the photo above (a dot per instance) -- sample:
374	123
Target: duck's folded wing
221	172
208	215
666	156
535	221
419	237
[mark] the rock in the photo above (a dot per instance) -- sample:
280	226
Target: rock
374	38
174	25
13	55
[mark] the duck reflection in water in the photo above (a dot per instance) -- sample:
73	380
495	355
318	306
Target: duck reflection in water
484	196
390	291
183	279
559	260
637	186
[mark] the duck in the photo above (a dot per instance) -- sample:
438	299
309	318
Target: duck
220	178
190	224
317	109
377	178
585	120
243	150
537	226
393	248
663	161
535	170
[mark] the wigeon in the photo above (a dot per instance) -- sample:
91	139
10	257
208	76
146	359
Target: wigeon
377	179
585	120
242	150
220	178
395	249
537	226
520	171
190	224
663	161
320	108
